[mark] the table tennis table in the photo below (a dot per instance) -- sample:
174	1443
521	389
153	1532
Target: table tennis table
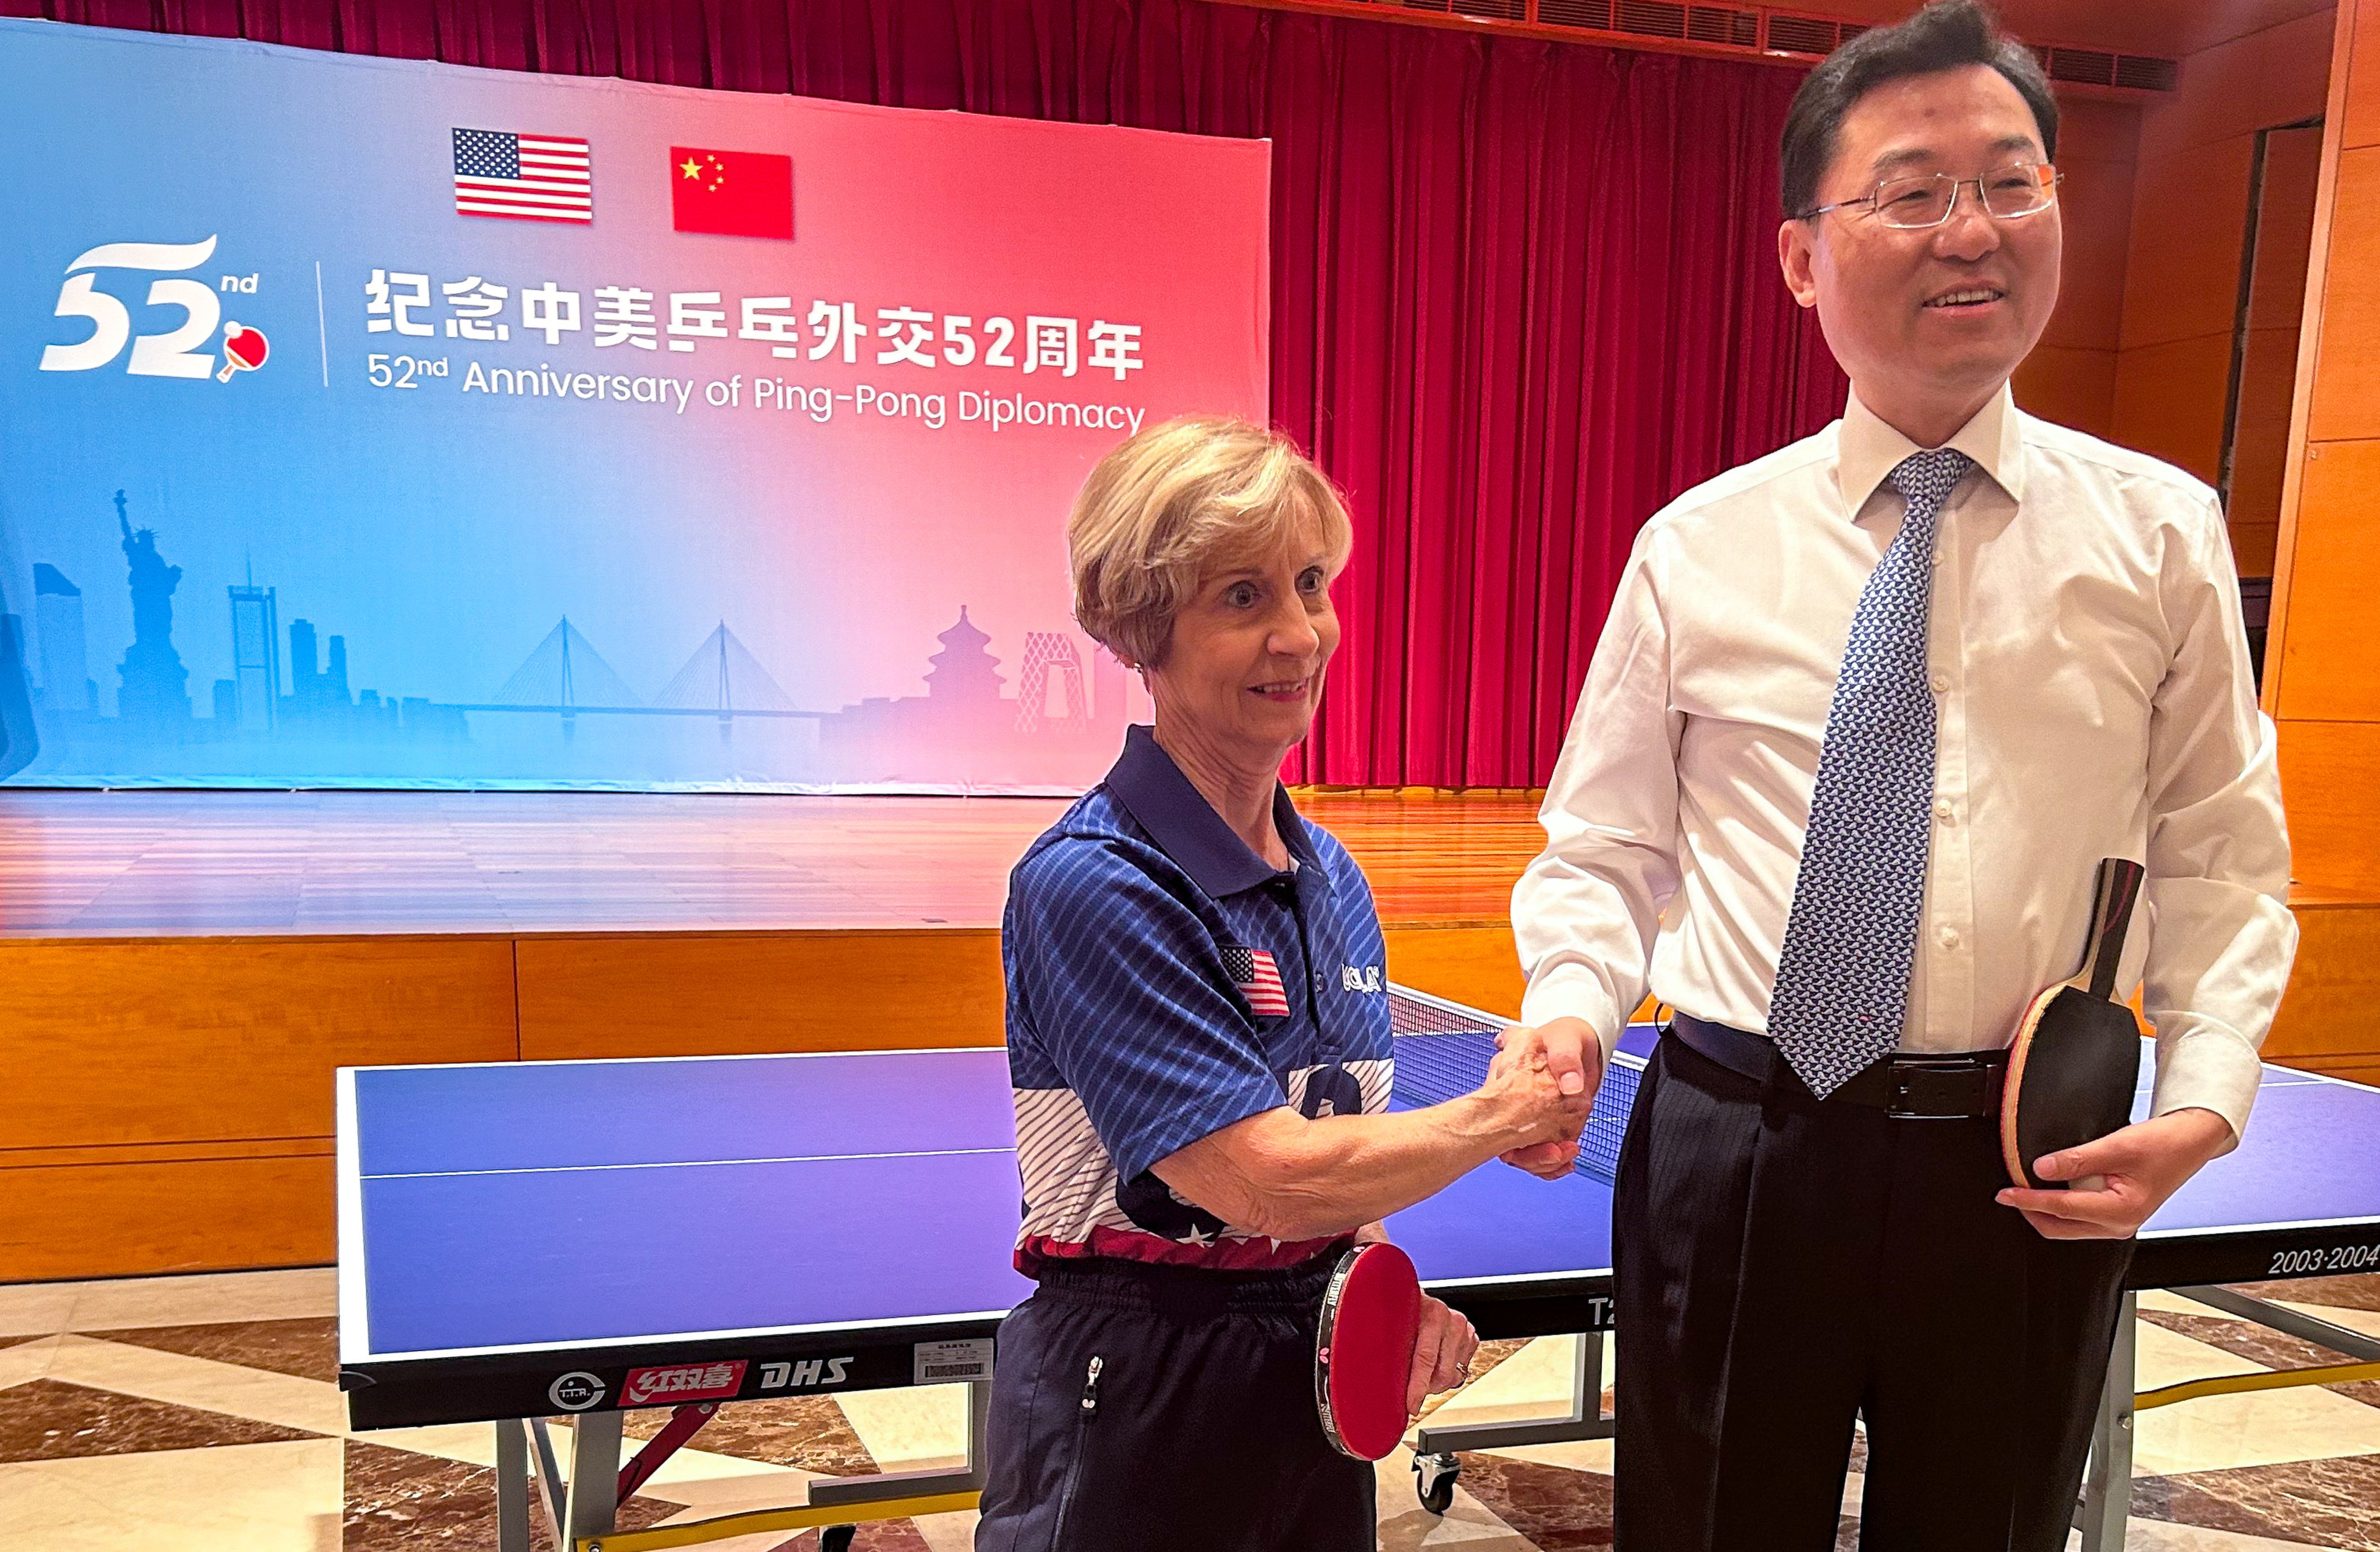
526	1241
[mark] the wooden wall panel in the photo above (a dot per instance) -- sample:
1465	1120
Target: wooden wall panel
2068	386
2360	117
680	994
2249	83
2347	364
2325	1022
686	994
2331	656
2070	376
2268	372
2181	279
2096	217
86	1221
2255	548
2260	445
2170	401
155	1040
2285	229
2090	130
2331	768
2329	772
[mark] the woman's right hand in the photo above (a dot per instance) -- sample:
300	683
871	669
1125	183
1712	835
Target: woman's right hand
1544	1089
1541	1098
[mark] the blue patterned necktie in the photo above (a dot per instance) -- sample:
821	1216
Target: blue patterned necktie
1842	977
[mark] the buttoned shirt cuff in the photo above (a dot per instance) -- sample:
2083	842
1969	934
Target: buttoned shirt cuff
1571	991
2207	1066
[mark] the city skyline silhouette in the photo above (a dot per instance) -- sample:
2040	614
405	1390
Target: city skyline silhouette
565	677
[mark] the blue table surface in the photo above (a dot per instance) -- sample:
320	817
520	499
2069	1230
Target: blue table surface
572	1203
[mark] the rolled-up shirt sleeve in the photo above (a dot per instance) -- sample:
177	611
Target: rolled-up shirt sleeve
1585	913
1128	997
2221	938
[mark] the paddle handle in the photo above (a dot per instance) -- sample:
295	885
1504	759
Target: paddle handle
2116	891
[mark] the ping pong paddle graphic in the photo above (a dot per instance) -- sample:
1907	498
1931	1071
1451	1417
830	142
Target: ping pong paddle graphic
244	350
1363	1353
2077	1056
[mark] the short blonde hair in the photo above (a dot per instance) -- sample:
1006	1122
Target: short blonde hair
1171	505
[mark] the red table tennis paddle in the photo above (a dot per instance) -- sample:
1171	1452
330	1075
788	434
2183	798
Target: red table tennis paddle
2076	1059
1363	1351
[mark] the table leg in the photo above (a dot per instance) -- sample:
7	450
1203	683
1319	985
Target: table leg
1435	1469
546	1470
858	1490
594	1476
2108	1491
512	1486
1585	1421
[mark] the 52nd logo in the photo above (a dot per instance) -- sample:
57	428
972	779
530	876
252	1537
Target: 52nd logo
173	353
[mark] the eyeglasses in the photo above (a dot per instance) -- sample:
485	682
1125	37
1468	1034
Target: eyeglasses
2021	188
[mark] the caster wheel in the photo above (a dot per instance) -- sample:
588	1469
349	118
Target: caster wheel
1434	1479
837	1538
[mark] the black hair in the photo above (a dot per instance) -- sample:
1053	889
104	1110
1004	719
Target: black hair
1944	36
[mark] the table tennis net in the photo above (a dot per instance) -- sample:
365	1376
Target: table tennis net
1443	1053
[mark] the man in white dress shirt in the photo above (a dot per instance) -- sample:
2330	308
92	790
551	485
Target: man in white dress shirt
1864	718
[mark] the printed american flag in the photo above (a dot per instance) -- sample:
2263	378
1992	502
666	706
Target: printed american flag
523	178
1258	979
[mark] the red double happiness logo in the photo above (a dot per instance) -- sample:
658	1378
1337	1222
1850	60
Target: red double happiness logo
684	1382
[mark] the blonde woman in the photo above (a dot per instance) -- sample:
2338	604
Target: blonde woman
1198	1038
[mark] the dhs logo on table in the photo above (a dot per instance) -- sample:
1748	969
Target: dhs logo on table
173	352
810	1374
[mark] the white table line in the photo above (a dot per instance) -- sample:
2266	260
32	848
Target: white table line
688	1163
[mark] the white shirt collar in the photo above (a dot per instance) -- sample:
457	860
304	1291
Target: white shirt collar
1867	449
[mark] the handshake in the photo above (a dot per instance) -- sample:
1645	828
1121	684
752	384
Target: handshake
1539	1088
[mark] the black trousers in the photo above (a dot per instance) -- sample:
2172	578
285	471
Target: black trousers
1198	1434
1785	1265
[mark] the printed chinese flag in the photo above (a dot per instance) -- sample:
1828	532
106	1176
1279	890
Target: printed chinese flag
733	193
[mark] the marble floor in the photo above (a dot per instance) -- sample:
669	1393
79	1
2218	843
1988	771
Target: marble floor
200	1414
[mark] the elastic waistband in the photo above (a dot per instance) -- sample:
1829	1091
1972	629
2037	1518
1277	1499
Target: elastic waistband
1187	1292
1908	1086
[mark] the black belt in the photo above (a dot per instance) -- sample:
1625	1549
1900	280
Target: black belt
1906	1085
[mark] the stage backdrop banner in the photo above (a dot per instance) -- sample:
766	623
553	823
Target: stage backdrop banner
365	422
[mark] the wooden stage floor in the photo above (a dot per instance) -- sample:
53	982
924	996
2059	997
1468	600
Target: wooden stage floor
113	864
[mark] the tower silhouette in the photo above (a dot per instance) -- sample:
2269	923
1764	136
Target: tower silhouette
255	653
1046	651
66	685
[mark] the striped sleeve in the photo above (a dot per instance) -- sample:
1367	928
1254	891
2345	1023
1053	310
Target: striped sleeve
1131	1004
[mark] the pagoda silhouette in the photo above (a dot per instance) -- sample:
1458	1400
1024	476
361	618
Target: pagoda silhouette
963	732
963	670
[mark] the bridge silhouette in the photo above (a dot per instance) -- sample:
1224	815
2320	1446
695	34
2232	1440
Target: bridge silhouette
565	676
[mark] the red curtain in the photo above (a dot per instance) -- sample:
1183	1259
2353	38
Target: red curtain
1524	293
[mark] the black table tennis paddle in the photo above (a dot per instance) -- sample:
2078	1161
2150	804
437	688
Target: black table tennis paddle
2076	1059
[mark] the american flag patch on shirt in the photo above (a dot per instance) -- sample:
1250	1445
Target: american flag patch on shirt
1258	979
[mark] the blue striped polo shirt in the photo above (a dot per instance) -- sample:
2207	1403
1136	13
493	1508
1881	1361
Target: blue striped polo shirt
1141	1017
